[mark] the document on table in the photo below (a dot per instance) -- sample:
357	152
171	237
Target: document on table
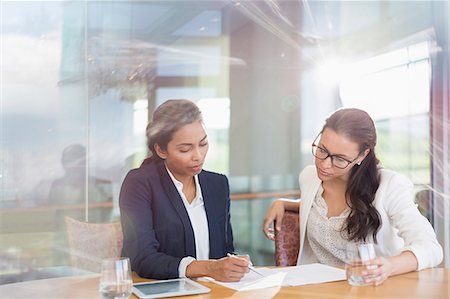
311	274
253	281
286	276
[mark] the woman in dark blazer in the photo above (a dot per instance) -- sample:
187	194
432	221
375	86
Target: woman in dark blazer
175	216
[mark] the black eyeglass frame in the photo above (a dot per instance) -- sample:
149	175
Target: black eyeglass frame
314	145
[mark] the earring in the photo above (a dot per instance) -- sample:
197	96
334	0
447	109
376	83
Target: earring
359	163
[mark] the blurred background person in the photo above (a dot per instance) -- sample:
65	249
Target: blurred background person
71	188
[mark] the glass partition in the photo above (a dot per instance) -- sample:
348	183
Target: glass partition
79	80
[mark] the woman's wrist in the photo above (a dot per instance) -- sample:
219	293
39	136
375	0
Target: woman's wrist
278	202
199	268
403	263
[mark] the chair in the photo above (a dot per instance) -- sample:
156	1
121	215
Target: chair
287	240
89	243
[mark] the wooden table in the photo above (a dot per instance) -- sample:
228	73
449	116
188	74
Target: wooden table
430	284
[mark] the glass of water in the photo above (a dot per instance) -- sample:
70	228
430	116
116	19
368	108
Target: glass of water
115	280
357	258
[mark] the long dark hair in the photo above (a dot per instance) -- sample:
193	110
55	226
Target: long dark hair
168	118
364	179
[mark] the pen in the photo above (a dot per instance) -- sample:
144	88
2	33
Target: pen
250	265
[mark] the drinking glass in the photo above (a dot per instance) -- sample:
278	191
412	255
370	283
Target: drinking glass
115	280
357	257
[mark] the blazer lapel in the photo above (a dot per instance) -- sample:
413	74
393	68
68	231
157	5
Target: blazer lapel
307	197
177	203
215	249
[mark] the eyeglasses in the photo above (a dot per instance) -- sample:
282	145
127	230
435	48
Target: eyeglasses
336	160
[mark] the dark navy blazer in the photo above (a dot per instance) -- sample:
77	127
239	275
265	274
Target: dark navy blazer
156	227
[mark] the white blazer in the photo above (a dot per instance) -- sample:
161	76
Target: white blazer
402	226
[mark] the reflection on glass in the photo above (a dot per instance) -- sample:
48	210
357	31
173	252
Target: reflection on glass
70	189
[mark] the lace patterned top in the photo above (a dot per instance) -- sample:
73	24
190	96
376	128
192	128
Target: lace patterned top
325	235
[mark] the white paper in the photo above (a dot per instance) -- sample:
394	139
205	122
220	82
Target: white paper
286	276
310	274
253	281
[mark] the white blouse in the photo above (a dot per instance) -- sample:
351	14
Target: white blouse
197	215
325	235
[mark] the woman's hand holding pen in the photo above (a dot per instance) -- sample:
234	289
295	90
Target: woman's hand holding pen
230	268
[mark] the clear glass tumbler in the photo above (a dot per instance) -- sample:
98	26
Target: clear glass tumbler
357	257
115	280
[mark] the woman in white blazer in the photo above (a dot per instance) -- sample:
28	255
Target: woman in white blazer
347	198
